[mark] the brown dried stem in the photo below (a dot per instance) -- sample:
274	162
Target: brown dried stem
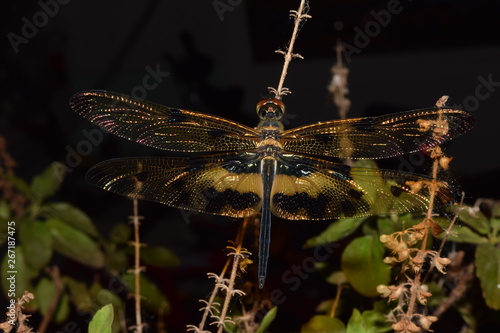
135	219
338	85
237	253
56	277
413	291
336	300
299	15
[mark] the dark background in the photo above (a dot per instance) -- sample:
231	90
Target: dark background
222	63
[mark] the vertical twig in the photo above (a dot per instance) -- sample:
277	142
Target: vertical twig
137	270
299	15
221	283
336	300
338	85
56	278
239	253
414	290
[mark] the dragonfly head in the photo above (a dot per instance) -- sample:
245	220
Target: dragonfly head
270	109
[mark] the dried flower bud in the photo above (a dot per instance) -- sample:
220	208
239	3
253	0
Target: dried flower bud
426	321
445	161
384	238
390	260
413	328
403	255
383	290
398	327
441	264
422	296
396	293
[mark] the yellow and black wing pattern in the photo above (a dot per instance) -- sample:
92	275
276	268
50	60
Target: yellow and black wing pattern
162	127
314	189
223	184
379	137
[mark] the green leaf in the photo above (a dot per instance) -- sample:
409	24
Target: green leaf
103	320
47	183
121	233
45	292
464	234
74	244
63	309
356	323
117	260
102	296
387	225
488	272
267	320
20	185
153	298
475	220
376	321
322	323
80	295
495	225
362	263
337	278
335	231
72	215
16	270
4	210
159	256
495	210
37	242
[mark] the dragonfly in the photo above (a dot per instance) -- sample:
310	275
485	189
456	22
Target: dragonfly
226	168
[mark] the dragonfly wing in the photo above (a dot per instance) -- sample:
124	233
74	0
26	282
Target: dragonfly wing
160	126
379	137
229	185
313	189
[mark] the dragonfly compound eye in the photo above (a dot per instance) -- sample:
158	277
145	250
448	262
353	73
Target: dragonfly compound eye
270	109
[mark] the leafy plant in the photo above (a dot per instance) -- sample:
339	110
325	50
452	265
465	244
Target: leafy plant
47	228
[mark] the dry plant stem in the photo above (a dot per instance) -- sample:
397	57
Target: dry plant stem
244	314
299	15
137	270
416	283
336	301
56	277
236	259
338	86
228	297
206	312
445	238
457	292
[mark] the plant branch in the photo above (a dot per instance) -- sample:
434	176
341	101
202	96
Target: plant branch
54	273
135	219
299	15
336	300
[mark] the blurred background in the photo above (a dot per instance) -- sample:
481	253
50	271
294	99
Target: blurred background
218	57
